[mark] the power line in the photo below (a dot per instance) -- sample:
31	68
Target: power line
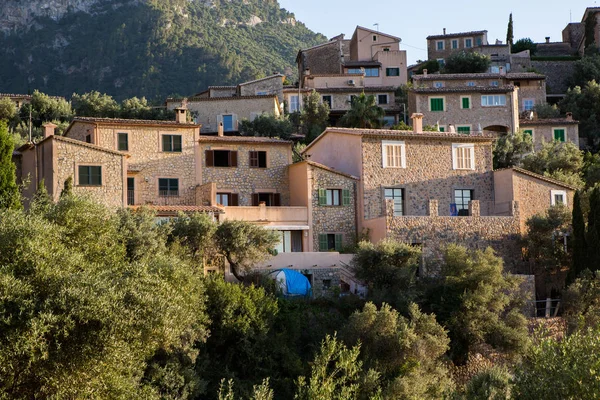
414	47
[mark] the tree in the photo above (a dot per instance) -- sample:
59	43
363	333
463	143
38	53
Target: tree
432	66
46	108
389	268
584	102
582	302
509	31
79	320
135	108
8	109
244	244
579	243
478	303
467	62
586	69
558	160
561	369
524	44
408	354
593	230
9	191
491	384
590	31
267	125
314	117
364	113
94	104
196	232
511	149
545	111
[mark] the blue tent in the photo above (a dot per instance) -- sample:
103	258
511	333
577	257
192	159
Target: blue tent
292	283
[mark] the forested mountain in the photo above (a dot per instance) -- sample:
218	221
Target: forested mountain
151	48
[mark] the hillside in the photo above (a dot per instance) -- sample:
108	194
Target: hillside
151	48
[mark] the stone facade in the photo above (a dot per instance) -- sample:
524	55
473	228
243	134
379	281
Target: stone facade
272	85
478	38
542	130
428	175
333	219
243	179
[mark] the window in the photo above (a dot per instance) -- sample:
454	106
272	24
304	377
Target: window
334	197
478	41
441	129
463	129
462	197
352	98
436	104
330	241
90	175
221	158
388	121
374	38
261	92
326	283
327	100
289	242
130	191
227	199
392	71
471	84
397	196
228	122
394	155
494	83
528	104
528	131
123	139
465	102
371	72
382	99
439	45
468	43
441	62
494	69
454	43
171	143
294	104
463	156
88	138
270	199
386	49
558	197
493	100
168	187
258	159
559	134
438	85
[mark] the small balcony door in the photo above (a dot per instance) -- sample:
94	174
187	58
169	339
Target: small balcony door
130	191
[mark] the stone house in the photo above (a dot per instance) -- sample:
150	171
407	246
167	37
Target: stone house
95	171
440	47
547	130
20	99
428	188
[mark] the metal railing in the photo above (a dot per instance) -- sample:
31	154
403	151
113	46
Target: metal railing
130	197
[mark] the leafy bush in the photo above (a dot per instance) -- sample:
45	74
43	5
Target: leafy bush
267	125
524	44
467	62
493	384
511	149
562	161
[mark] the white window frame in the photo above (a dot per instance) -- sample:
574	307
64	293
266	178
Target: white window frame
443	42
455	147
452	44
532	104
470	84
441	62
384	148
487	96
532	133
438	84
553	194
560	128
465	43
436	97
297	104
470	102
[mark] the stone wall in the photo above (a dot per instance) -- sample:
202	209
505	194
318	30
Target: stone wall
532	90
271	85
245	180
543	132
434	232
206	194
333	219
428	175
322	59
69	156
557	74
433	53
340	100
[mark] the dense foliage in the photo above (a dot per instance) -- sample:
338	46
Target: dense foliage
267	125
154	48
511	149
364	113
524	44
9	191
466	62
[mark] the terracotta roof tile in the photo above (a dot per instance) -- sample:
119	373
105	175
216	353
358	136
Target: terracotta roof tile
538	176
466	89
123	121
548	121
509	76
227	98
185	209
243	139
330	169
457	34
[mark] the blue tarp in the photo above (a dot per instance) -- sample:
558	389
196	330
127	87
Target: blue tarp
296	284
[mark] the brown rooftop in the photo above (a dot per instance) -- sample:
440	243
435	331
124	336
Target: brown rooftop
538	176
227	98
548	121
457	34
124	121
330	169
466	89
509	75
242	139
184	209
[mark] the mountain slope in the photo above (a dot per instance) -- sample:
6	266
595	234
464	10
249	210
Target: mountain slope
151	48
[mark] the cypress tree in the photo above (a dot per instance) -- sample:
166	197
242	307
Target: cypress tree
509	31
9	191
579	241
593	231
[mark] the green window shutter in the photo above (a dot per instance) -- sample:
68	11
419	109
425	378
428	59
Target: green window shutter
442	129
84	175
96	176
528	131
559	135
338	241
463	129
346	197
177	143
322	197
437	104
166	143
465	102
323	242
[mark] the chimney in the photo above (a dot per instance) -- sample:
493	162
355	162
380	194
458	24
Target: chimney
417	122
444	31
547	39
569	116
220	129
181	115
425	72
49	129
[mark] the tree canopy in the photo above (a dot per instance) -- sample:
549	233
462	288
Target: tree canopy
364	113
466	62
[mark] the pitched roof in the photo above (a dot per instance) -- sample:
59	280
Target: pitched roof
327	168
376	32
124	121
262	79
185	209
30	145
227	98
242	139
509	76
393	134
548	121
350	89
538	176
457	34
466	89
368	63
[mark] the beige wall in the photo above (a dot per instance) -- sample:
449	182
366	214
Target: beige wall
545	133
339	151
245	180
392	59
533	90
434	54
363	47
334	81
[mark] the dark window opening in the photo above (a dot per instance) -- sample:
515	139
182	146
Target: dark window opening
258	159
130	191
123	144
270	199
330	242
88	138
462	197
168	187
90	175
382	99
326	283
171	143
327	100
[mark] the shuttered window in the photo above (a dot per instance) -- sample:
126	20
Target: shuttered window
436	104
123	144
463	156
221	158
258	159
330	242
171	143
334	197
559	134
90	175
466	102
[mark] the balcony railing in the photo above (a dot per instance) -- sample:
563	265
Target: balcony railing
130	197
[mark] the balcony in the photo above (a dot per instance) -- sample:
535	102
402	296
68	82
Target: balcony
269	216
